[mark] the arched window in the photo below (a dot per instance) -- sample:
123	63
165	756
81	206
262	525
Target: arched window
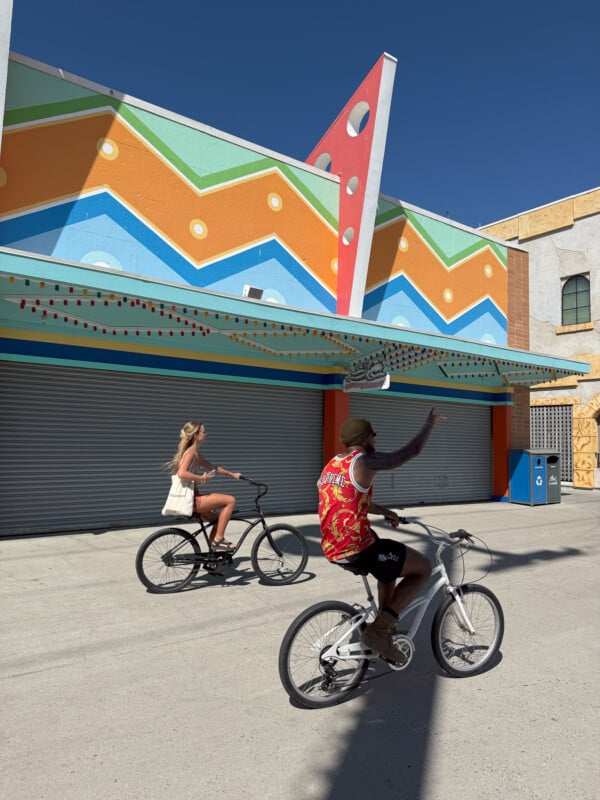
576	300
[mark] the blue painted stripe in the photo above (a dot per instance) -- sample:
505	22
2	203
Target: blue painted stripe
402	284
251	373
151	361
44	220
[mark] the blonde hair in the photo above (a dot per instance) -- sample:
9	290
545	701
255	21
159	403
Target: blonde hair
187	436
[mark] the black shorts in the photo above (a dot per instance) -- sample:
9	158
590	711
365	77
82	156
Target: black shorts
384	560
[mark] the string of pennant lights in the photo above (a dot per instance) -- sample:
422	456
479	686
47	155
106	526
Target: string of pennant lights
65	304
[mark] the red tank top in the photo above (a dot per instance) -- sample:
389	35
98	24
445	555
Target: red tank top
343	508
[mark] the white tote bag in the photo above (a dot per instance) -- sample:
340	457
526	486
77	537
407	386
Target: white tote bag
180	501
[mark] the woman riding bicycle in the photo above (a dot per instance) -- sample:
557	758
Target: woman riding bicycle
187	463
345	491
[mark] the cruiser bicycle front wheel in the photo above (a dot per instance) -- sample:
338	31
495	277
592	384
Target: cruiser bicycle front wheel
279	554
458	651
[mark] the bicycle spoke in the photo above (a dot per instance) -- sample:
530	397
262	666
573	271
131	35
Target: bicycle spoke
310	671
167	561
462	651
279	554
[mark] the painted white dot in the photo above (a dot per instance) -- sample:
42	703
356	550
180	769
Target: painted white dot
275	202
402	244
448	295
334	265
107	148
273	296
198	229
401	322
100	258
488	271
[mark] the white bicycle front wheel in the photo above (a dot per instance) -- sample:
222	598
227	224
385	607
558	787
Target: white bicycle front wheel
460	651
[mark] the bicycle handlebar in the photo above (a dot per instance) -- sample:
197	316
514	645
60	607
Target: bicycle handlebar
460	535
262	487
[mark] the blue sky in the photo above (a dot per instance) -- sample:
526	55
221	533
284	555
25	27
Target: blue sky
496	106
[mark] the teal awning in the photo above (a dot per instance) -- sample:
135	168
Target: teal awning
50	306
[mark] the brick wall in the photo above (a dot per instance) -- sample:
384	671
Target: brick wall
518	299
518	336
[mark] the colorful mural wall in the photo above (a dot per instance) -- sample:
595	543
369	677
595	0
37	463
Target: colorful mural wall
89	177
431	275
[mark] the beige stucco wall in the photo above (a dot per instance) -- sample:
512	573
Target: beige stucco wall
563	239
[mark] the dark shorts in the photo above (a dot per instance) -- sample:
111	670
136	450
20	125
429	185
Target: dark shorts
384	560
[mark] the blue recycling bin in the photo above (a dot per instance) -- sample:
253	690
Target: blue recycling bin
534	477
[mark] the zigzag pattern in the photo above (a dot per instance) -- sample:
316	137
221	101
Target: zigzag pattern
87	209
48	164
483	315
445	289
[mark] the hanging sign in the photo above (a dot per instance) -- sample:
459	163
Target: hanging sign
364	376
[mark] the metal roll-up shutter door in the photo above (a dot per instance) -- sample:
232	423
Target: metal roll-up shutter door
83	448
456	463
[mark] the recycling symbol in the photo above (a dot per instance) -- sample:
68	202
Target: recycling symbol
539	481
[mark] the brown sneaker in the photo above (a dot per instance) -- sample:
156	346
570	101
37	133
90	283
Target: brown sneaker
378	637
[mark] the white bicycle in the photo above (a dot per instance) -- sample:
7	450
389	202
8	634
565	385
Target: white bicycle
322	660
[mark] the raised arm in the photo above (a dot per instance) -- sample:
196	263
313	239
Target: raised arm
372	462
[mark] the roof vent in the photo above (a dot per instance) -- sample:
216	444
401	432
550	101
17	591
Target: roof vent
253	292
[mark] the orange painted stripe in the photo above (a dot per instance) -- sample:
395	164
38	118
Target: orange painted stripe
467	282
60	160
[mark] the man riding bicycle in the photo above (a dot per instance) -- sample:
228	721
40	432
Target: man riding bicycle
345	492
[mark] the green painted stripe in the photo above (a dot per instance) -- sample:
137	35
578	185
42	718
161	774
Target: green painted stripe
397	213
71	107
30	114
450	261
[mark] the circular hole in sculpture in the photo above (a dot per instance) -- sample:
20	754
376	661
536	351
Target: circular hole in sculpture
358	119
348	236
352	185
324	162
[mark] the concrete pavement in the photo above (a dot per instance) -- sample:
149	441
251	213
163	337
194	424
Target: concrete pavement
110	692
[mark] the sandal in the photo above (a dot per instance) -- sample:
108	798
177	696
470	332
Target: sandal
222	546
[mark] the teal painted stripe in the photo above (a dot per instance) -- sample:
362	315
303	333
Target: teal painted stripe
397	213
389	216
450	261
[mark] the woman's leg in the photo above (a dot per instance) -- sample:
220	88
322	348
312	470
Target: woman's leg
209	504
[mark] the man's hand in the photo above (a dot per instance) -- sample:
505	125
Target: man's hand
391	518
434	417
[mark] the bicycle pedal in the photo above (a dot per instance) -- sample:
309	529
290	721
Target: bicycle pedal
214	569
406	649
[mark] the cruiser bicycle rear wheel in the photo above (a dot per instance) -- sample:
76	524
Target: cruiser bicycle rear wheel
310	677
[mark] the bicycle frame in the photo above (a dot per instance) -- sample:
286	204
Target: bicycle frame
355	651
252	518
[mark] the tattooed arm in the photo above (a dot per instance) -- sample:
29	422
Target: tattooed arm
372	461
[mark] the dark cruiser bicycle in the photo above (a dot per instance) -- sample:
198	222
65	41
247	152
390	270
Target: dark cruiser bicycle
169	559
